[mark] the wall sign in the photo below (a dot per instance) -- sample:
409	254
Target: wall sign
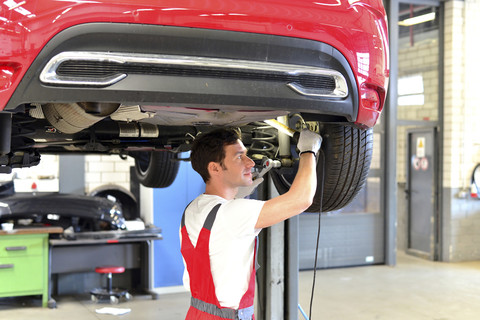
420	163
420	147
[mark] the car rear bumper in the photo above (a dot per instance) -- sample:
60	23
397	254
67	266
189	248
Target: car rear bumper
231	84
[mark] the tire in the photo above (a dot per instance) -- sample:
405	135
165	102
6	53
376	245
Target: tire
156	169
346	154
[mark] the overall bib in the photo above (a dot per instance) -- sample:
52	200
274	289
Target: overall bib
204	303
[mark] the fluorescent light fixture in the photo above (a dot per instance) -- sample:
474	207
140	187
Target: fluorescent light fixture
417	20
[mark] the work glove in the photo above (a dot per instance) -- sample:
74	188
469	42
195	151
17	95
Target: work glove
309	141
248	190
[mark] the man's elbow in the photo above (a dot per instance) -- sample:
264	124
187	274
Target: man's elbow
302	199
305	204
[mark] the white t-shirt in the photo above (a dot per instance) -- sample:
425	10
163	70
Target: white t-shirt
232	241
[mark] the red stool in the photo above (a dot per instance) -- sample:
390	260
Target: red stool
113	294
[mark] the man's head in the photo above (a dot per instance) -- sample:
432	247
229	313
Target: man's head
210	147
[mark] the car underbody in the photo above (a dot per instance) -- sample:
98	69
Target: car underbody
115	85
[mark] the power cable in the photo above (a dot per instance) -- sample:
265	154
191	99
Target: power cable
318	234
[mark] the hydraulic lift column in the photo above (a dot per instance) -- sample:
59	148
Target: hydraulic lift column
278	258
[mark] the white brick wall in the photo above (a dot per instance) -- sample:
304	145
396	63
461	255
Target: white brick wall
471	85
460	217
101	170
462	112
462	127
461	96
454	147
419	59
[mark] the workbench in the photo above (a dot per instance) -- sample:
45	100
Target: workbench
24	267
92	249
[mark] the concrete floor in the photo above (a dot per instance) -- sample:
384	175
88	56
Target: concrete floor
414	289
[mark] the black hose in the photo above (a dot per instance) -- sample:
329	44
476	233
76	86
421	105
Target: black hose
318	234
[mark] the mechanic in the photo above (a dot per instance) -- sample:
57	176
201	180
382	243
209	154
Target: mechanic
218	231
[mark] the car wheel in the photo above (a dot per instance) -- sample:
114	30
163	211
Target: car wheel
156	169
120	195
346	155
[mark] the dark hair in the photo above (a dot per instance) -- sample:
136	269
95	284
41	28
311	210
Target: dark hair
209	147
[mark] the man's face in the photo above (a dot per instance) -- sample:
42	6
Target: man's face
237	167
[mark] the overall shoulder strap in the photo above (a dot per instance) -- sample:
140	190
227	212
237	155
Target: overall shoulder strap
211	217
208	221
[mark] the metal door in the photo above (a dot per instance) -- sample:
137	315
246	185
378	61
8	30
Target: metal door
421	189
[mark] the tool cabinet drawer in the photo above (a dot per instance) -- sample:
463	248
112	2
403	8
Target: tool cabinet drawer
22	245
23	274
24	264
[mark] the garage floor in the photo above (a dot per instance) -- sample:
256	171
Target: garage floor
414	289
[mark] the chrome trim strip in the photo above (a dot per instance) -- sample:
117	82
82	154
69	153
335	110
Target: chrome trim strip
50	76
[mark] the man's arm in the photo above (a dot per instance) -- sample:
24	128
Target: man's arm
301	193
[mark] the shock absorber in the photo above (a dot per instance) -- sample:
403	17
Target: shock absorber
284	134
263	142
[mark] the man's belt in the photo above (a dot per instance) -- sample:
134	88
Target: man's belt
227	313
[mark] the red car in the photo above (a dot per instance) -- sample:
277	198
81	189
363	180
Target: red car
143	77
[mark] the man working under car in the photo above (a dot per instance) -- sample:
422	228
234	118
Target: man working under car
218	232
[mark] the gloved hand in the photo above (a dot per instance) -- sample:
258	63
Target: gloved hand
309	141
248	190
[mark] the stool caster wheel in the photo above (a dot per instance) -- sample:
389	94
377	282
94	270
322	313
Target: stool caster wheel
128	296
94	298
113	300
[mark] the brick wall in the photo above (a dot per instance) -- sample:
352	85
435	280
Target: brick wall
417	58
454	96
460	234
461	215
471	85
461	110
101	170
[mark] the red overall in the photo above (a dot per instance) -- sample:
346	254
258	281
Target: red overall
204	303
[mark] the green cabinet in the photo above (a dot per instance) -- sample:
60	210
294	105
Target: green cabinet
24	265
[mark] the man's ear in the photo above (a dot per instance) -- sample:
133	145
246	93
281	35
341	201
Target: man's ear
214	168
